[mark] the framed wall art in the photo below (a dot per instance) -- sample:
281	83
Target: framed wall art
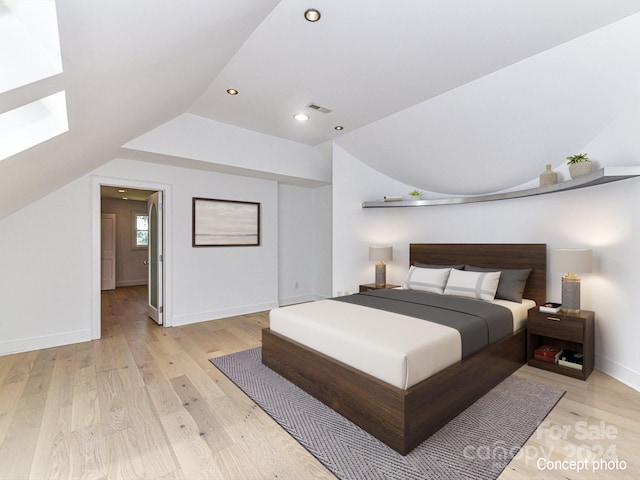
225	223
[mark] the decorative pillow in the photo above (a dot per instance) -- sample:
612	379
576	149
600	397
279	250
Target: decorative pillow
511	284
480	285
426	279
428	265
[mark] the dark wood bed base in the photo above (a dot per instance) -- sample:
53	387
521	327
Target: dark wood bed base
404	418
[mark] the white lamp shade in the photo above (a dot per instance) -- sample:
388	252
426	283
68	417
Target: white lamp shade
380	254
571	260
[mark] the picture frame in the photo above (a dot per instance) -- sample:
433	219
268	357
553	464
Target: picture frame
225	223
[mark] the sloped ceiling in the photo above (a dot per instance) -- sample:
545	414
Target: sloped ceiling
128	67
500	130
444	95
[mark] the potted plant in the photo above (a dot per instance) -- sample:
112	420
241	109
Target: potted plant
579	165
415	194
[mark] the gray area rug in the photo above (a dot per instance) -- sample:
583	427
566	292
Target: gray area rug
477	444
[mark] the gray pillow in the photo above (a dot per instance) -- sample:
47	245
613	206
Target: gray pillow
512	281
428	265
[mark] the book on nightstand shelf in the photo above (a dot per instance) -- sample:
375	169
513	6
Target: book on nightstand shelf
550	307
547	353
571	359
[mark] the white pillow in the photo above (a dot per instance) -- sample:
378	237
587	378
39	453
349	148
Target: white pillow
480	285
426	279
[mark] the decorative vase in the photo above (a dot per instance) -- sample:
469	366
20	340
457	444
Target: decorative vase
548	177
579	169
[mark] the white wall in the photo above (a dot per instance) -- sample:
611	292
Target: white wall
213	282
605	218
46	254
305	244
322	236
45	271
296	272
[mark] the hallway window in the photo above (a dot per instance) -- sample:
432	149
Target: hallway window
141	224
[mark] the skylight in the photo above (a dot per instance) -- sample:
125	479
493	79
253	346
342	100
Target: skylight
29	42
32	124
29	52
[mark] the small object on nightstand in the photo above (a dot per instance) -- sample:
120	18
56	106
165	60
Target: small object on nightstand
547	353
374	286
571	359
550	307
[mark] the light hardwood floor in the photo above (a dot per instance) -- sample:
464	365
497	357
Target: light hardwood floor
144	402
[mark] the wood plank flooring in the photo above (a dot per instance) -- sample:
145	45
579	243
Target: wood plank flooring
144	402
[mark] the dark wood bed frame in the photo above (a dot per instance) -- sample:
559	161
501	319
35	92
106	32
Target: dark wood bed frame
404	418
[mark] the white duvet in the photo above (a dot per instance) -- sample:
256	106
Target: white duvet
394	348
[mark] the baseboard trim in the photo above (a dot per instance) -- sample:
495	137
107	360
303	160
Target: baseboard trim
131	283
297	299
621	373
44	341
179	320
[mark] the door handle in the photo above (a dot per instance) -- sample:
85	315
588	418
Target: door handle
145	262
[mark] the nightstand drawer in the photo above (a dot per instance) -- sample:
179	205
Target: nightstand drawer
557	326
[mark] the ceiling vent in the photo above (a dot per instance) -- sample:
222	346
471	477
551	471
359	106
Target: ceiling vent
319	108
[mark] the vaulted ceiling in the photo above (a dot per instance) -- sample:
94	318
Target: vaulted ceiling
444	95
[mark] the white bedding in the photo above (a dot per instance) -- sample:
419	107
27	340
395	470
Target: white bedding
394	348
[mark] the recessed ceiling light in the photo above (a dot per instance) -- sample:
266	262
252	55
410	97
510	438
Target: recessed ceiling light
121	191
125	198
312	15
232	91
301	117
339	127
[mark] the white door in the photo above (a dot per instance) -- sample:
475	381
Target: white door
108	251
155	271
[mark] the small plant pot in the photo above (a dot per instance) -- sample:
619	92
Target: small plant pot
579	169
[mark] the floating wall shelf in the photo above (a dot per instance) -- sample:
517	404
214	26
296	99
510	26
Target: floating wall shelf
604	175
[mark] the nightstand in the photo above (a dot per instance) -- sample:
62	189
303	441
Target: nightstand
569	331
372	286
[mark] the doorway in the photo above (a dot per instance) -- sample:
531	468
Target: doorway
161	244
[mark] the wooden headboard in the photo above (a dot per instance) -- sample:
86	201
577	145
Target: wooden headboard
490	255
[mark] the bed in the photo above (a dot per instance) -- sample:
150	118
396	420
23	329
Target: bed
403	415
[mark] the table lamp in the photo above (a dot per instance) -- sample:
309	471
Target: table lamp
571	261
380	255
